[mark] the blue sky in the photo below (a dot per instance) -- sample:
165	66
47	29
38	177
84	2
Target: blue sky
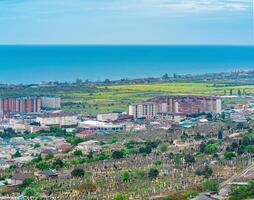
126	22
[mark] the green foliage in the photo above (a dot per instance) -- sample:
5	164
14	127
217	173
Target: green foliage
43	165
31	192
189	158
28	181
117	154
210	186
77	172
145	150
126	176
204	171
49	156
184	136
17	154
76	140
57	164
228	155
178	159
119	196
211	148
243	192
167	198
250	148
220	134
77	153
140	174
163	147
153	173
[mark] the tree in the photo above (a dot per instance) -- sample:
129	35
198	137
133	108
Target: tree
145	150
211	148
210	186
90	154
204	171
163	147
31	192
117	154
43	165
77	153
202	147
209	117
17	154
28	181
231	92
239	92
58	163
228	155
126	176
77	172
220	134
189	158
153	173
165	76
76	140
184	136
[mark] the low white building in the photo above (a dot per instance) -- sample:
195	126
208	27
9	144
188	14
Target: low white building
108	117
100	126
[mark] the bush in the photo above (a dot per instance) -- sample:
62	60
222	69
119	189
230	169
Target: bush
77	172
163	147
126	176
210	186
228	155
189	158
118	196
31	192
77	153
28	181
205	171
153	173
117	154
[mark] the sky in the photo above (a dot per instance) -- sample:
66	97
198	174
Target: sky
139	22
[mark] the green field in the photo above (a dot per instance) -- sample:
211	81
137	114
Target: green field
110	98
92	99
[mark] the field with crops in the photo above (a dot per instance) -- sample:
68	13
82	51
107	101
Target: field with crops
117	98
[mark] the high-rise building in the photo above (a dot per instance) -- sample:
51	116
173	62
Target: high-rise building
194	104
176	104
51	102
20	105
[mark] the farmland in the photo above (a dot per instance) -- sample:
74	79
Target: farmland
94	99
110	98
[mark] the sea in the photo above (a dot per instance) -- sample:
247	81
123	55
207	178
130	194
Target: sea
35	63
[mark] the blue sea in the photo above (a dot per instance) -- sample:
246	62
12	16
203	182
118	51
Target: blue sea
33	64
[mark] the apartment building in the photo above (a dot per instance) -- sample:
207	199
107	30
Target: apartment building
51	102
20	105
176	104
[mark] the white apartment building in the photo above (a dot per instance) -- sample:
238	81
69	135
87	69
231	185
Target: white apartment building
61	119
51	102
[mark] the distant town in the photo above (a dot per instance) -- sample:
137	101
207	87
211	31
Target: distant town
195	141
